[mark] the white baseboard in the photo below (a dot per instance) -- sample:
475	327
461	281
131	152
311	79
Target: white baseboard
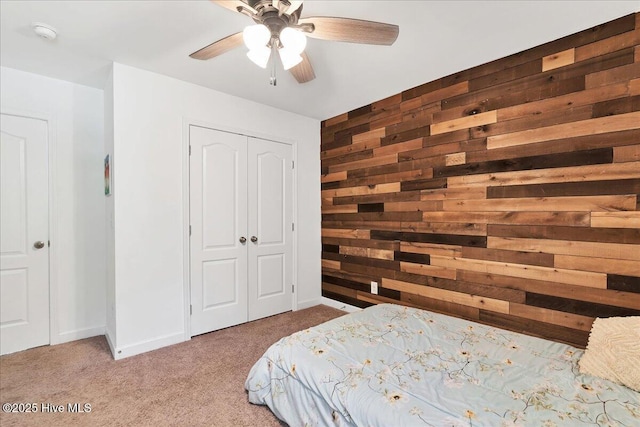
339	305
143	347
79	334
309	303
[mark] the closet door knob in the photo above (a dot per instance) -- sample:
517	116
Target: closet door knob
243	239
254	239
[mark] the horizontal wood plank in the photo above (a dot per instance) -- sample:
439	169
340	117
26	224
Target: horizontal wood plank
341	290
360	164
580	234
330	264
371	135
568	320
580	278
455	159
337	119
601	265
349	149
479	119
560	103
398	148
629	153
602	47
616	219
533	204
348	233
511	217
358	191
431	249
449	296
338	176
427	270
367	252
453	193
611	76
560	59
339	209
563	247
580	128
570	292
568	174
445	92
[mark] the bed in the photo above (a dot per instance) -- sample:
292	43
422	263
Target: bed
390	365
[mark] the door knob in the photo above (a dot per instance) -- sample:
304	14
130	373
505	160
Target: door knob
39	244
243	239
254	239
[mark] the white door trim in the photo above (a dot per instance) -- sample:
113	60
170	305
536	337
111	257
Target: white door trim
186	214
54	330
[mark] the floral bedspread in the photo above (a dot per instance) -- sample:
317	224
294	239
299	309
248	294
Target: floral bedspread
390	365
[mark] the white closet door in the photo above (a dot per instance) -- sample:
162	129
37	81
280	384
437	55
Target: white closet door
218	209
270	227
24	234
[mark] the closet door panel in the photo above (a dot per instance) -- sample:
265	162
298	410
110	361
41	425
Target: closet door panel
218	219
271	275
270	226
271	193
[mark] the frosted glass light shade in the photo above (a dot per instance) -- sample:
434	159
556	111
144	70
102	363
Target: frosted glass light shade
260	56
289	58
293	40
256	36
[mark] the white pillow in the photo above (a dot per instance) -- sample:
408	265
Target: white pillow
613	351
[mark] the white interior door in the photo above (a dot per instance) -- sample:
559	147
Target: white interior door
24	234
270	226
218	210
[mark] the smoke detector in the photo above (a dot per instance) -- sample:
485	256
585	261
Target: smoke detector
44	30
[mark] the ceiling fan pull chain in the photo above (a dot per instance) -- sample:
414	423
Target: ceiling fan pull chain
272	80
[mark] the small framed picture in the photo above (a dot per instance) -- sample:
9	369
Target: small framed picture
107	176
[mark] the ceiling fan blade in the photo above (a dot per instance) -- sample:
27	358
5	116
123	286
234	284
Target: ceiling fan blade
219	47
230	4
296	8
303	72
352	30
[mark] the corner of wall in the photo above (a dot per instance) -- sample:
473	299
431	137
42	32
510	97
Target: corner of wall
109	216
110	336
80	334
308	303
144	346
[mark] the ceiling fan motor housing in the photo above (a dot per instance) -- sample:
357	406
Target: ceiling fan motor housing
274	23
272	18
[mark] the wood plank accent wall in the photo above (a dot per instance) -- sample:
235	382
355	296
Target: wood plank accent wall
506	194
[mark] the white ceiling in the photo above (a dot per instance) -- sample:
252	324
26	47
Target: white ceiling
436	38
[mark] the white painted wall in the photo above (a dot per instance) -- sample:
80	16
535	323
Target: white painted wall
78	237
150	112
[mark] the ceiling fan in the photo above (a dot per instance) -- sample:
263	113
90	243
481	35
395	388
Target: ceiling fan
280	29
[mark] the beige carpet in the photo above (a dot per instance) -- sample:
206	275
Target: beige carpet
196	383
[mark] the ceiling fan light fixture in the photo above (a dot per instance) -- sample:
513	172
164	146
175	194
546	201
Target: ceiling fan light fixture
289	58
293	40
260	56
279	27
256	36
